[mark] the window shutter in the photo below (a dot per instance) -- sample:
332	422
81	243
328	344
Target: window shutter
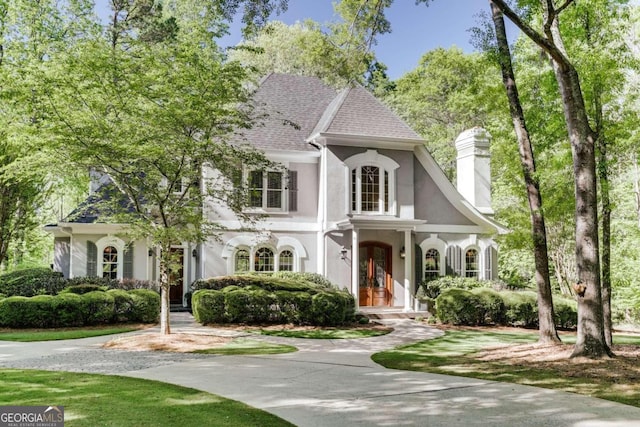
454	260
92	259
489	256
127	265
293	191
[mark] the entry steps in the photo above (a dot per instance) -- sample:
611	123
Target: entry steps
391	313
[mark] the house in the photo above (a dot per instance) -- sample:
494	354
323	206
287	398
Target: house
362	202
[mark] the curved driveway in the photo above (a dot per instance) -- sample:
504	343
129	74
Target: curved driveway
333	383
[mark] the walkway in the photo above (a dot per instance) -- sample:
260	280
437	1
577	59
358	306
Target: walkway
333	383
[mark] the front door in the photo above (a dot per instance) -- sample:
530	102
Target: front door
375	274
176	276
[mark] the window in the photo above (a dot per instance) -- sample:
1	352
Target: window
285	261
471	263
431	264
110	262
264	260
266	190
242	263
372	183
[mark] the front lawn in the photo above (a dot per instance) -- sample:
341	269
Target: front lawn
514	356
29	335
104	400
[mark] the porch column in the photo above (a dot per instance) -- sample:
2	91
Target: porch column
355	256
408	270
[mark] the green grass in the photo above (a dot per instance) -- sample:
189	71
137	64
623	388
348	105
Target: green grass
62	334
326	333
104	400
243	346
617	379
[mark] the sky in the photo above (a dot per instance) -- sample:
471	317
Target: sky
415	29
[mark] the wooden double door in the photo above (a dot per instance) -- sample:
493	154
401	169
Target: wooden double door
375	281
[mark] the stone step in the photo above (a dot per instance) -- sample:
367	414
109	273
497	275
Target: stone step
391	313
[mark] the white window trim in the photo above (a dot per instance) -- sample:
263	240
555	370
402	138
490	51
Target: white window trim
284	206
384	164
105	242
479	261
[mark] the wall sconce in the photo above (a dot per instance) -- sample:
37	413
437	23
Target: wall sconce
151	252
194	253
343	253
402	253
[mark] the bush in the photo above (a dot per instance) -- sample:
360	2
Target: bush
123	306
97	281
31	281
146	306
521	308
331	308
208	306
131	284
263	281
566	311
433	288
315	278
98	308
491	309
84	289
458	307
68	309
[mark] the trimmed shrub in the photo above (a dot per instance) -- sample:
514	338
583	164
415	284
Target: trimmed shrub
521	308
31	281
146	306
433	288
331	309
208	306
123	305
11	311
458	307
491	309
236	303
315	278
98	281
68	309
263	281
566	311
98	308
84	289
131	284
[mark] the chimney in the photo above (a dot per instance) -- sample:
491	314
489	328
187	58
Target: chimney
474	169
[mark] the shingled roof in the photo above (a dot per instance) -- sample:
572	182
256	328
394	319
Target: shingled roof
299	107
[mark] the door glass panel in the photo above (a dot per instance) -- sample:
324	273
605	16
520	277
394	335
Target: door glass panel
363	274
380	263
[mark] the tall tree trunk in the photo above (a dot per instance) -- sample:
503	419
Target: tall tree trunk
165	287
605	199
590	340
546	315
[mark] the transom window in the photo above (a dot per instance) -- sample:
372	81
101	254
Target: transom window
266	190
110	262
471	263
431	264
372	186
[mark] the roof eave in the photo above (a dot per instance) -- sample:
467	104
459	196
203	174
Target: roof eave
365	141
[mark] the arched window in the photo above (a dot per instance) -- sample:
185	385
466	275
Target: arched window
110	262
471	267
285	261
241	261
431	264
372	183
264	260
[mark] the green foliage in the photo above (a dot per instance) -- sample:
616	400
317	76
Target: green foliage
31	282
83	289
71	309
103	282
491	307
566	311
316	278
458	307
521	308
267	282
255	301
146	306
433	288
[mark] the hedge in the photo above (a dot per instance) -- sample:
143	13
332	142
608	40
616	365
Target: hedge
267	282
70	309
31	282
486	306
253	305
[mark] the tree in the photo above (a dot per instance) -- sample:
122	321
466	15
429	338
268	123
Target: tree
590	339
157	115
546	314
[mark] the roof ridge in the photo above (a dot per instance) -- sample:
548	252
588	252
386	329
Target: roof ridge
331	111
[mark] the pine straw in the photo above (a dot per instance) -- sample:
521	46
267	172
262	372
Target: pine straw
176	342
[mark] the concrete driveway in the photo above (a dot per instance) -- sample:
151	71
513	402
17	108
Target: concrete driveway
334	383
